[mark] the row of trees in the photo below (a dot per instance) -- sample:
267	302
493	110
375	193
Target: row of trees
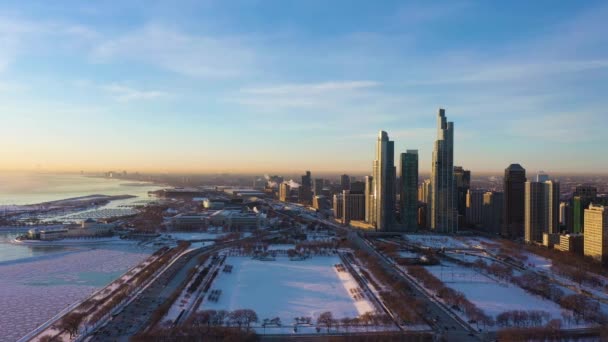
522	319
395	293
450	296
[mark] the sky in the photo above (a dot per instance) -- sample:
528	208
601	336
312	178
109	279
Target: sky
285	85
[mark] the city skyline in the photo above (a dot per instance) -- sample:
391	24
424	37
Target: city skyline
167	89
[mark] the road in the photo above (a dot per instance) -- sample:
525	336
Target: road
439	317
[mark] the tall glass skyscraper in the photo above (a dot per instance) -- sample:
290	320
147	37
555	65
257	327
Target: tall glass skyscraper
409	190
444	211
384	183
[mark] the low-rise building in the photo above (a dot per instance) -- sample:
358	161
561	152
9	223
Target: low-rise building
573	243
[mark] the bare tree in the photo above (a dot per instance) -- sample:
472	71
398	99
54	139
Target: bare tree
71	322
326	319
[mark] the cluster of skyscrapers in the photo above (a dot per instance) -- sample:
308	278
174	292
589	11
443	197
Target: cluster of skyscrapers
525	209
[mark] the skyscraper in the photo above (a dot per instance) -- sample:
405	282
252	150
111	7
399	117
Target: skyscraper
318	186
596	233
474	207
305	190
583	196
284	191
462	178
409	190
370	200
541	209
444	211
514	199
534	212
338	204
384	182
491	211
345	182
353	206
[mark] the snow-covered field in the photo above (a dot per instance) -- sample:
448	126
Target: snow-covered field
436	241
33	291
490	295
287	289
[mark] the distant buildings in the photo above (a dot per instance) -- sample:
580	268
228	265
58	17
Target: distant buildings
409	190
596	233
383	206
444	211
541	213
284	192
318	184
514	200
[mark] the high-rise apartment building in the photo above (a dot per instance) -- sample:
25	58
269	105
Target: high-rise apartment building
596	233
409	190
384	182
514	199
552	190
444	211
583	196
338	206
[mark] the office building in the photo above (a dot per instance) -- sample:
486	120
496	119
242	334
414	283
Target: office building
541	210
596	233
514	199
370	200
345	182
353	206
305	189
462	179
409	190
586	191
357	187
338	207
542	177
384	183
573	243
444	211
491	212
317	185
474	207
583	196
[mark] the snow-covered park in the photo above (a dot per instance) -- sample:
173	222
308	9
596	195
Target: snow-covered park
34	290
287	289
490	295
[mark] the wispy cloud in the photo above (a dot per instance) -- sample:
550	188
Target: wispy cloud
311	88
187	54
125	94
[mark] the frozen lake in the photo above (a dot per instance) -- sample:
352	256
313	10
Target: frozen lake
35	286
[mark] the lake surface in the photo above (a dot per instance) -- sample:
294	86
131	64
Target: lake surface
32	188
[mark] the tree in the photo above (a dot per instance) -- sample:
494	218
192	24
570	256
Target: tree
326	319
249	317
71	322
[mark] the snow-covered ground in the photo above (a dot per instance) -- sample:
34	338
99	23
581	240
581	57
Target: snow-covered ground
189	236
283	247
490	295
33	291
436	241
287	289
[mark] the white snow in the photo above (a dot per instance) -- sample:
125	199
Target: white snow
490	295
284	247
287	289
436	241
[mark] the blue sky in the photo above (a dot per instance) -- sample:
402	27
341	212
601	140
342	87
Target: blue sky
295	85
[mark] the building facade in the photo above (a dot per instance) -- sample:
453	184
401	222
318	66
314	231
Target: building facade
514	199
444	211
409	190
384	183
596	233
491	211
474	207
353	206
305	189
